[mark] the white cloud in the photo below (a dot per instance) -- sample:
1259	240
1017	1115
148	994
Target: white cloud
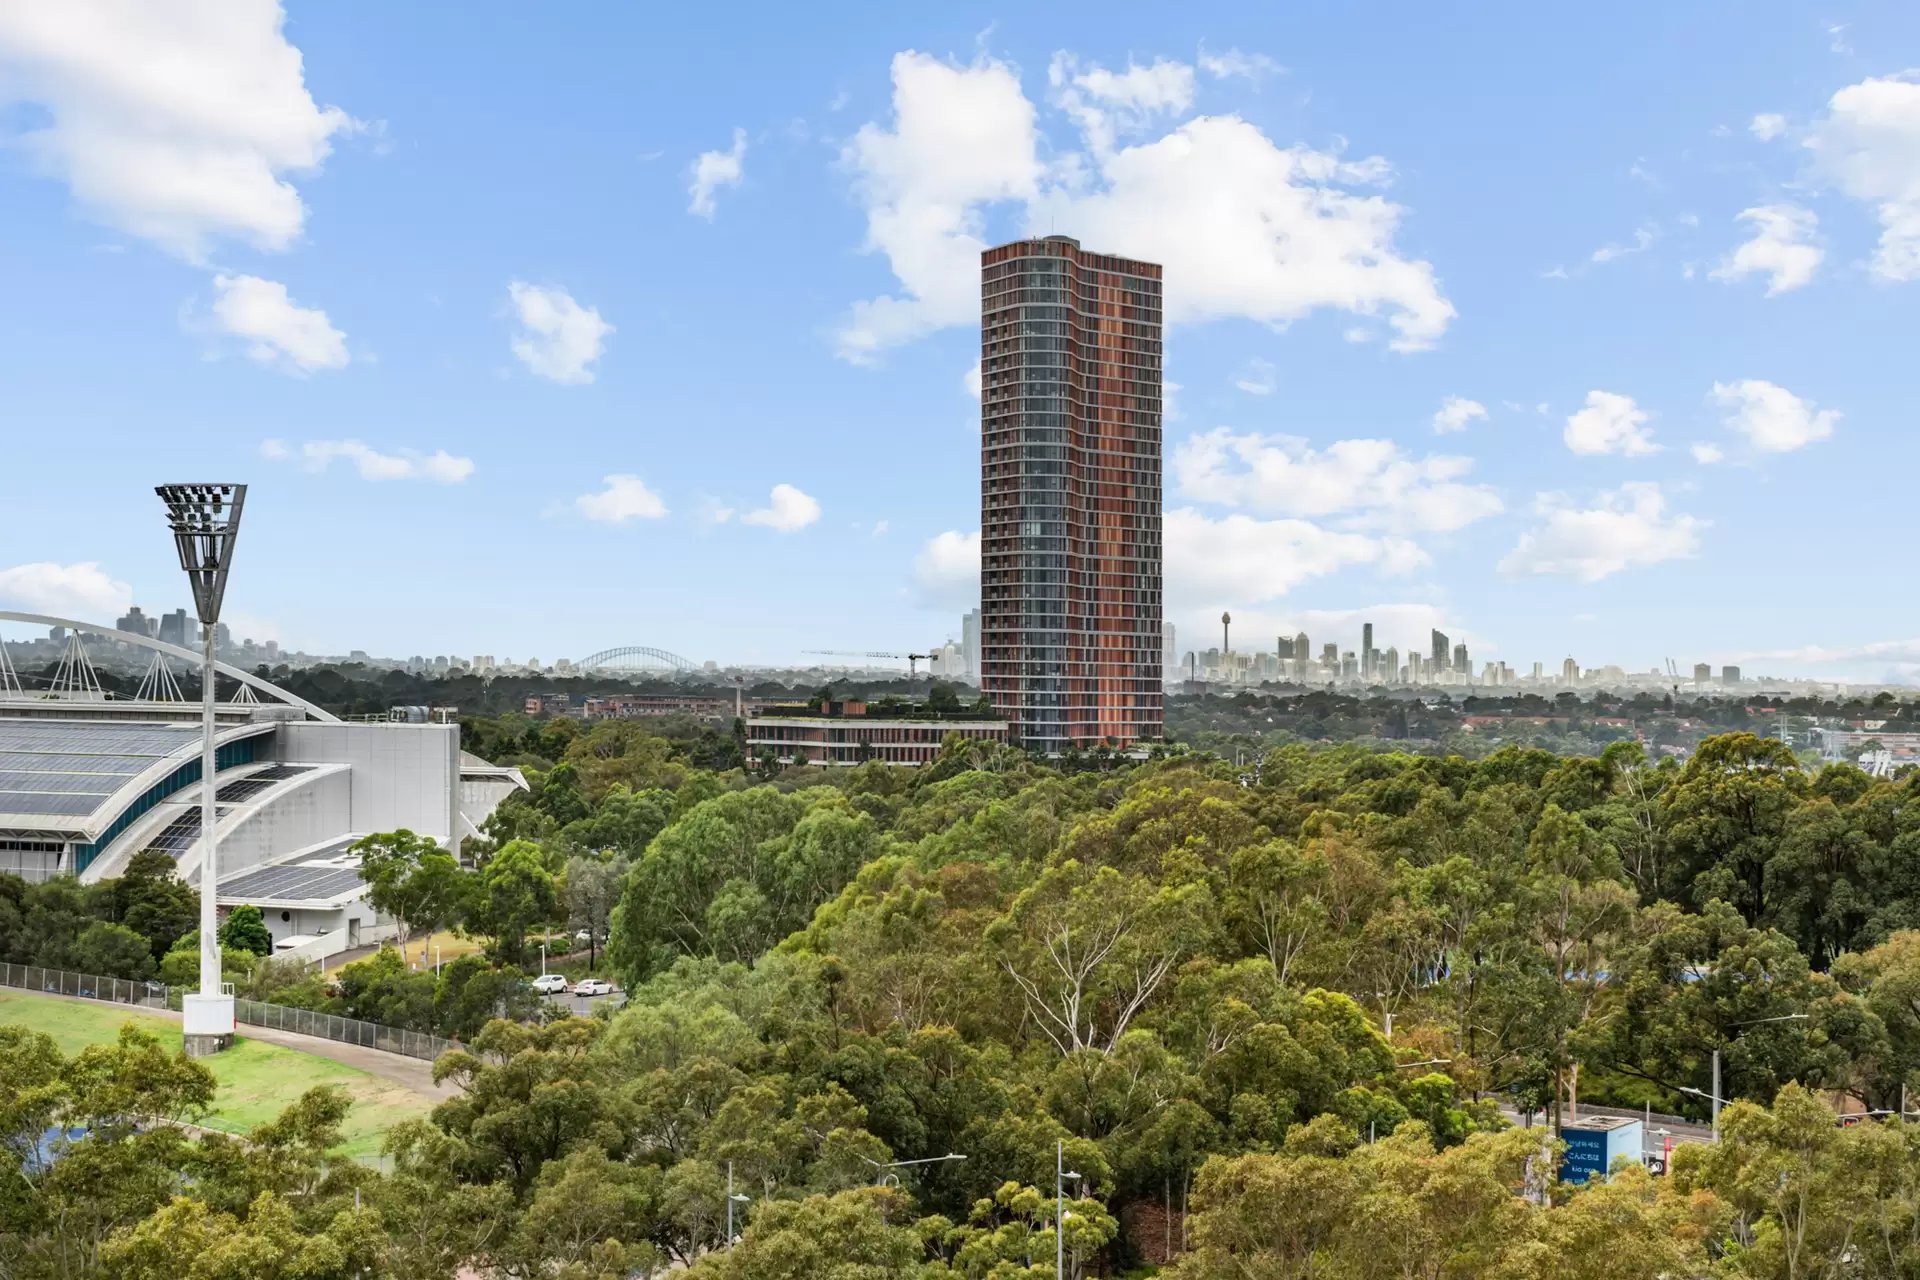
1773	419
559	338
1868	144
439	466
1627	527
946	571
1105	104
1240	559
1456	412
177	123
787	511
1368	482
291	338
1609	252
1782	247
880	528
1767	126
1609	423
625	498
970	380
962	138
715	169
1247	228
1249	66
1707	454
1258	380
1251	230
82	591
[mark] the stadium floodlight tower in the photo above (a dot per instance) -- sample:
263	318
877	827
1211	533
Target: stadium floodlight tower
206	520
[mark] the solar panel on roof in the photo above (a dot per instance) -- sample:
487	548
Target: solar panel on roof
244	789
40	802
121	766
87	783
179	835
281	772
302	880
104	738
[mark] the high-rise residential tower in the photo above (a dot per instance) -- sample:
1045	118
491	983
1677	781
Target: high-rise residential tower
1070	561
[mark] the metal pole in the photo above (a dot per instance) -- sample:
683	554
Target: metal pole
209	936
729	1204
1716	1094
1059	1209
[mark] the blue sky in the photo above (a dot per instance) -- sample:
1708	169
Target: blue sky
540	329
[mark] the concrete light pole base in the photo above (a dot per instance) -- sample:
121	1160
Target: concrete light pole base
207	1022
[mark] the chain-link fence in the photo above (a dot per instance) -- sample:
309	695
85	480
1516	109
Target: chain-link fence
332	1026
89	986
254	1013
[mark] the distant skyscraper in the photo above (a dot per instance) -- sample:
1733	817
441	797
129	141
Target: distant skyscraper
1729	675
1460	660
1570	672
1442	654
136	622
1070	552
1702	674
1390	664
173	628
1283	648
1169	648
970	642
1366	649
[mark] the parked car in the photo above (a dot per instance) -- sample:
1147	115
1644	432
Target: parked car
593	987
550	984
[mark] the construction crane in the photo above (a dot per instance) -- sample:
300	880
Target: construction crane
911	659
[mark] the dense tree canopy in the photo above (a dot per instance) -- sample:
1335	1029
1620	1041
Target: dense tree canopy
1278	1020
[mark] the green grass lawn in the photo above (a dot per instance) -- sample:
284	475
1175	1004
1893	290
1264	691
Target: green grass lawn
257	1080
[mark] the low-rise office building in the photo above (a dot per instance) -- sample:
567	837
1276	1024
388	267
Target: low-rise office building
843	733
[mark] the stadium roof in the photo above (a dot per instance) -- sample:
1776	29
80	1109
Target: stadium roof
77	775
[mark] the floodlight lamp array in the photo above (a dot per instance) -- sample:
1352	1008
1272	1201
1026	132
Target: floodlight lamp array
205	519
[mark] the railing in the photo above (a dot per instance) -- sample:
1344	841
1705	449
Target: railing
334	1026
88	986
254	1013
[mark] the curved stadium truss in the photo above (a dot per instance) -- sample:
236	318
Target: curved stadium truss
636	658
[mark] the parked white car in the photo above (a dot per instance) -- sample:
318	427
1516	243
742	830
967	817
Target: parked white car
593	987
550	984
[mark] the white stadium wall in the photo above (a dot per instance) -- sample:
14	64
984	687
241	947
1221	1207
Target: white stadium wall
403	775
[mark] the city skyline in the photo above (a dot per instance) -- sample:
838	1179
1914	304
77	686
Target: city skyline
1608	400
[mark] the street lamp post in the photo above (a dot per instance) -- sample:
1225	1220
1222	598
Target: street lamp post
1714	1100
205	519
1060	1175
880	1179
730	1202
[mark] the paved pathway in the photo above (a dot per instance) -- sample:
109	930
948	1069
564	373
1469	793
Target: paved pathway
415	1074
